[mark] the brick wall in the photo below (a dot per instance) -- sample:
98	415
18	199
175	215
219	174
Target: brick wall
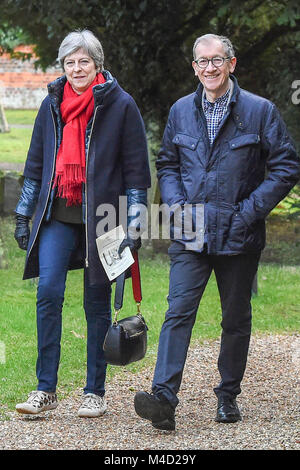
21	85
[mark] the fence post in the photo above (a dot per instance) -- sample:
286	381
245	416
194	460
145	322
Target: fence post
4	124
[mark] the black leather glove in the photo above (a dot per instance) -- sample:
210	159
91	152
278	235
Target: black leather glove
134	245
22	231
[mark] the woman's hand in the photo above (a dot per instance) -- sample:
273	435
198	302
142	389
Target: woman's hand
134	245
22	231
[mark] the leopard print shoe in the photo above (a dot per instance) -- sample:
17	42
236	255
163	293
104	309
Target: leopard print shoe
37	402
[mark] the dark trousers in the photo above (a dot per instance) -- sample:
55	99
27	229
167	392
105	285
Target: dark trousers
189	274
57	242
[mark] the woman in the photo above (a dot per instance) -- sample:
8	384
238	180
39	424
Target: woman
88	147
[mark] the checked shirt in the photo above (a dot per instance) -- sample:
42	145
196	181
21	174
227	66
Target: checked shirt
214	113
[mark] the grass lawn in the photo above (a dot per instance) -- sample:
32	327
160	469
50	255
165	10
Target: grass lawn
20	116
14	144
275	309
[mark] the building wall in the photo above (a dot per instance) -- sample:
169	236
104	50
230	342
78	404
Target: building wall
21	85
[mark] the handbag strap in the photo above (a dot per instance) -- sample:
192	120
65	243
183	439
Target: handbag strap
119	291
136	278
136	285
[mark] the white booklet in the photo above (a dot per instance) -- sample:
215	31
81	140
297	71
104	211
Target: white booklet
108	246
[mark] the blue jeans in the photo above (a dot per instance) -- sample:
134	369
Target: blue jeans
189	274
57	242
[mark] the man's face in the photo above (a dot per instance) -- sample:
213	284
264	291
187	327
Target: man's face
214	79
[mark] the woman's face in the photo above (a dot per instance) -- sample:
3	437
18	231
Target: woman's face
80	70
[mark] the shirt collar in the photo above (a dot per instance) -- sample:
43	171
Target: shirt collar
220	102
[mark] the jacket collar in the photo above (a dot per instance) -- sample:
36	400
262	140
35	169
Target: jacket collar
101	91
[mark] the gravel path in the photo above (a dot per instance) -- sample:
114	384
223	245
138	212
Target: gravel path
269	403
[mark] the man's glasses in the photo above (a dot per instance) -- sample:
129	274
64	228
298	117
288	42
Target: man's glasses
216	61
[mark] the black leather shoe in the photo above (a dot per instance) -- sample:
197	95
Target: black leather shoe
156	410
227	411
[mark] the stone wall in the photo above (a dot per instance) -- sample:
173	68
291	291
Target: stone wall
10	189
21	85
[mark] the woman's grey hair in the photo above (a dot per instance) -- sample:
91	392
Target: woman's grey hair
85	40
227	45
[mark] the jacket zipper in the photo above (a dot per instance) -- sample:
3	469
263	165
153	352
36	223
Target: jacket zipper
86	197
50	186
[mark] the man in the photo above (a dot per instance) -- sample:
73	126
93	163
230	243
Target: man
217	146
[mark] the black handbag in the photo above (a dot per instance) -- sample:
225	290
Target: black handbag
126	339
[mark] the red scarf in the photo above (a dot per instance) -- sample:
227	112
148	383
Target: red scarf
76	111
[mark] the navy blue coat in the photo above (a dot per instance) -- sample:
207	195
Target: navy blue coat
250	167
117	160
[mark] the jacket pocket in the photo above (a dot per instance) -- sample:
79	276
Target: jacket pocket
243	141
186	141
238	231
243	237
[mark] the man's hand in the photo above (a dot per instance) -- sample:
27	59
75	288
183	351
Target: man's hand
22	231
